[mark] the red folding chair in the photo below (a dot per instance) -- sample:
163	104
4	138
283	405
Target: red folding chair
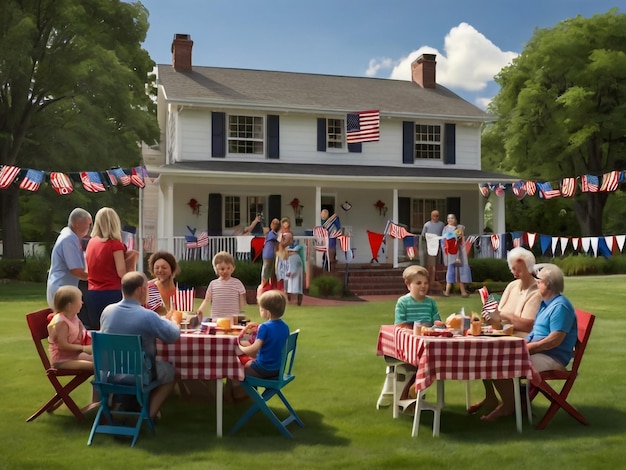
559	399
38	325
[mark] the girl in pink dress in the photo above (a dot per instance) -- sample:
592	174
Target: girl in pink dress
69	346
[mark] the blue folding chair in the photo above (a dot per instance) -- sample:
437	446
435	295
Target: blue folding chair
272	387
121	369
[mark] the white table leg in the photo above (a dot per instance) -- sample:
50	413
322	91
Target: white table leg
219	390
518	404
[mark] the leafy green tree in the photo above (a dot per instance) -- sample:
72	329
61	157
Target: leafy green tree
75	89
562	109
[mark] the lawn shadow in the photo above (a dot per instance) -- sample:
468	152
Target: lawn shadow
456	423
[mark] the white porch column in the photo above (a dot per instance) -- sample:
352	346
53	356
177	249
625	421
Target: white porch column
166	221
499	212
318	205
394	217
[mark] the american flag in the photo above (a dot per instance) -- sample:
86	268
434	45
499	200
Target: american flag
92	182
154	297
568	187
32	180
589	184
320	238
490	304
531	188
61	183
363	126
203	239
344	242
184	300
519	189
120	175
547	192
7	175
610	181
192	242
397	231
484	189
137	177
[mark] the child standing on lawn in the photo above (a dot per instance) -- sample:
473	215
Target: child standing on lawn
67	342
271	336
226	294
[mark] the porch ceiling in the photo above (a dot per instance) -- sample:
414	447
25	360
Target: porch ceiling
272	173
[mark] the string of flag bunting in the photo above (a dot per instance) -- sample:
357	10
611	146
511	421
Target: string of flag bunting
30	179
566	187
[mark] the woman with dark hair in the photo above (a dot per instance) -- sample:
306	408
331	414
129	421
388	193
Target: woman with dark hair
164	268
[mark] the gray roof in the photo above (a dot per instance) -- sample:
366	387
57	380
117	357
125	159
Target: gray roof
349	171
315	93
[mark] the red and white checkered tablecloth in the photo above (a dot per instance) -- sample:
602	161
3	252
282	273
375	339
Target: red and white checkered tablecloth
203	356
458	358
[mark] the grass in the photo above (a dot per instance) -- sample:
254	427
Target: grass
338	381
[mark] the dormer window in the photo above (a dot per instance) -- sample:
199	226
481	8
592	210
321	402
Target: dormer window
246	135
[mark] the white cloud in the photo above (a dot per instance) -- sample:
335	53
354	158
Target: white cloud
469	61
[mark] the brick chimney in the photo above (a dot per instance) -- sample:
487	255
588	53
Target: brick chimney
181	52
424	71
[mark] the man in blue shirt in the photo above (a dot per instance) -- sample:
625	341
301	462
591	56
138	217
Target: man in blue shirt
129	317
67	261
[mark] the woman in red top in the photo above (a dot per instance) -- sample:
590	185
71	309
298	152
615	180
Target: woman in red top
107	261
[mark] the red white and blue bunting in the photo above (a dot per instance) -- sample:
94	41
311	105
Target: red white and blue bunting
29	179
566	187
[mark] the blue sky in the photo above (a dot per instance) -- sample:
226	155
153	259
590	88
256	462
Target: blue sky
473	39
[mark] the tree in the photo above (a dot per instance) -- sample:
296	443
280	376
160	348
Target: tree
562	108
74	91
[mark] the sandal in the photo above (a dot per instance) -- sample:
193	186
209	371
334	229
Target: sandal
465	296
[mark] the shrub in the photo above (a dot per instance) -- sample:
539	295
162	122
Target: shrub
325	286
490	269
10	268
200	273
35	269
195	273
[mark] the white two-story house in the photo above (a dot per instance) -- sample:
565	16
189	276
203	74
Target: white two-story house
240	141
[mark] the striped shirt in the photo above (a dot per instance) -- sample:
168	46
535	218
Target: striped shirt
225	297
409	310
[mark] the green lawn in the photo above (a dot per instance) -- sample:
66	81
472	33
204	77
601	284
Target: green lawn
338	380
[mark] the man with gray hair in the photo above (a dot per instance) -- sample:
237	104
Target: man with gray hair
129	317
67	262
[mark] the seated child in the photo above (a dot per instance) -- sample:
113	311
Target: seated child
267	347
69	346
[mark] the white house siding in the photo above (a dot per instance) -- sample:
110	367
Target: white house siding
194	135
298	143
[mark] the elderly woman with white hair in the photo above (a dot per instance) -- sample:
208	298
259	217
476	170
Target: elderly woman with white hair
552	339
518	306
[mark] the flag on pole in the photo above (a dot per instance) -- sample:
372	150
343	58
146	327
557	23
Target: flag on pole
61	183
32	180
363	126
91	181
7	175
